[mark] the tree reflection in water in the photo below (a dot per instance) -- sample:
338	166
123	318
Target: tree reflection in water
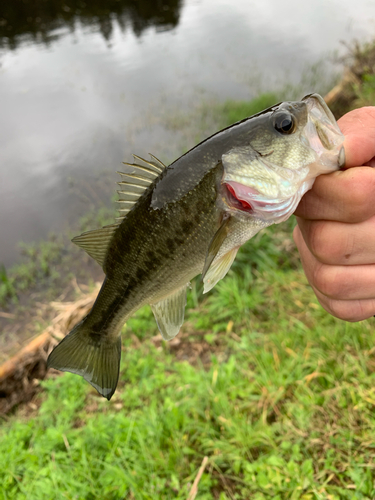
36	20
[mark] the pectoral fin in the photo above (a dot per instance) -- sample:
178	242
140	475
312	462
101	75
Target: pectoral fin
215	245
219	269
223	248
216	268
169	313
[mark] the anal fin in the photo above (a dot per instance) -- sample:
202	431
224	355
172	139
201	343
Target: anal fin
169	313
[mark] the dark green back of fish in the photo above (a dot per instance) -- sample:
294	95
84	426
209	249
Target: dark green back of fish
155	250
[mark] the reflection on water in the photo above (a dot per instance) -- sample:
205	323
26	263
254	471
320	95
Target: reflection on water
37	19
84	84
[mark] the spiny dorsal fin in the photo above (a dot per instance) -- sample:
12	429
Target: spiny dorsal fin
96	242
154	164
169	312
135	181
133	184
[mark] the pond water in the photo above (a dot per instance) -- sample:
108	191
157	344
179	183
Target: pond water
84	85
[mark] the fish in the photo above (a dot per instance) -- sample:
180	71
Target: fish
191	217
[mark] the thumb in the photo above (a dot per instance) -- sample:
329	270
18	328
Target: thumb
358	126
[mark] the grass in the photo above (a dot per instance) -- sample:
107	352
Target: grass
37	264
232	111
283	409
365	93
7	290
358	87
276	393
47	265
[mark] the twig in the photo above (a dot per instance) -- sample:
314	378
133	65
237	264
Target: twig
7	315
194	488
18	373
66	442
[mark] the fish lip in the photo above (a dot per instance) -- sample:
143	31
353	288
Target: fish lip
321	102
342	157
323	134
252	202
258	207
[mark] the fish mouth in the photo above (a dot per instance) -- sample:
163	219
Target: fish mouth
251	202
246	198
234	198
316	101
323	134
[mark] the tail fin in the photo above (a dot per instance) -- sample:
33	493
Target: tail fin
90	355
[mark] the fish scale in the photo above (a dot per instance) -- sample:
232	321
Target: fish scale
179	248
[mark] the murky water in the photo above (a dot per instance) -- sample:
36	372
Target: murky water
84	85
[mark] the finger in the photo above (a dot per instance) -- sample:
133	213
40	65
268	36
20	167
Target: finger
348	310
358	126
337	282
342	196
338	243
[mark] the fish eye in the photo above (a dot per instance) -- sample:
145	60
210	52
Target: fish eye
284	123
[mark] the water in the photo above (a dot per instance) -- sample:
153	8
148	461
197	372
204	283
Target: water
82	86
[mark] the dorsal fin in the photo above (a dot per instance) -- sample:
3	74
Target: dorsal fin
133	184
154	164
96	242
135	180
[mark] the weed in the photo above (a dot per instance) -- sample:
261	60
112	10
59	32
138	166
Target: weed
7	289
365	92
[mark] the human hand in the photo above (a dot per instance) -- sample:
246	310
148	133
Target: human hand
335	234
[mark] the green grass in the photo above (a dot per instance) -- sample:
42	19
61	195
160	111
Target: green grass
233	111
365	93
284	409
7	289
37	264
46	266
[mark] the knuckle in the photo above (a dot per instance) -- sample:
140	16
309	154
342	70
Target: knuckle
350	311
320	242
360	188
329	244
328	280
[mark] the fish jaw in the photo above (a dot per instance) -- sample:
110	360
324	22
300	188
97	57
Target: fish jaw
324	136
271	194
276	210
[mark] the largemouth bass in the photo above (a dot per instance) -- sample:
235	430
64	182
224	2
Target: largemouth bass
190	218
